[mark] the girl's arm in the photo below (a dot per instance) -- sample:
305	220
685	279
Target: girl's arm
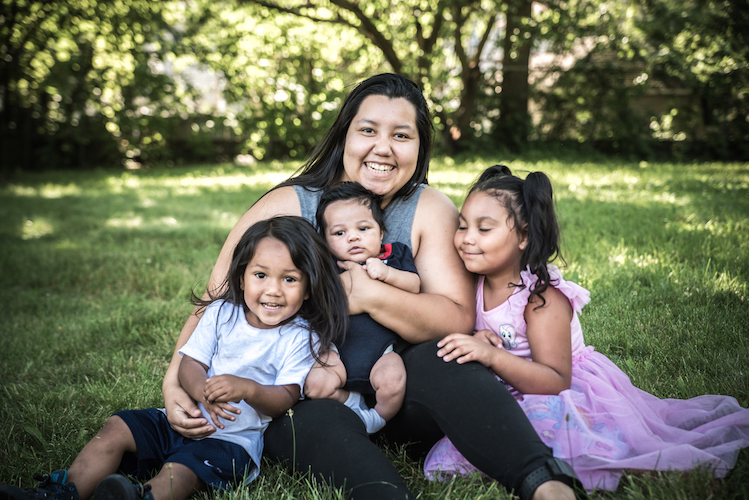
271	400
446	303
193	378
549	337
183	415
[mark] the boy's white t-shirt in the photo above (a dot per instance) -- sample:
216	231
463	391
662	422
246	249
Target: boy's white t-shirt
226	343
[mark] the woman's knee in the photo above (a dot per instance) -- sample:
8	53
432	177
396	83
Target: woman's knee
310	426
425	368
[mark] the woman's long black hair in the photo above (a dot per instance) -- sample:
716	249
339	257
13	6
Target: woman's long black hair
326	309
530	205
325	165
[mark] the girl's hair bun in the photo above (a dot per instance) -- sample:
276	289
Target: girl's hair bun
494	171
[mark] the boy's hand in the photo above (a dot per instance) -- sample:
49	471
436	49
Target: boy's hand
376	269
227	388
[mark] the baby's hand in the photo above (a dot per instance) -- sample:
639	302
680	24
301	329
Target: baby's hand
376	269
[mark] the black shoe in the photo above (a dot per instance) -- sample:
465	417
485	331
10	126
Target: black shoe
53	486
118	487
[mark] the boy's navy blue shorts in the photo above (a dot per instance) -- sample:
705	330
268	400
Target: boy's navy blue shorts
219	464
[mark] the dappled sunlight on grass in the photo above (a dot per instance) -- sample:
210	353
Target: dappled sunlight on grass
716	226
620	187
34	229
50	191
192	185
138	221
224	220
125	222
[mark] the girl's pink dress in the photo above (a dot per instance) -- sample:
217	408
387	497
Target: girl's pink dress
603	424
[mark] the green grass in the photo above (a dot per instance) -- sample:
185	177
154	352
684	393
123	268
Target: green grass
97	267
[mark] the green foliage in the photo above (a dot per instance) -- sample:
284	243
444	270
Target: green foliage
97	269
88	83
441	45
681	79
69	72
282	77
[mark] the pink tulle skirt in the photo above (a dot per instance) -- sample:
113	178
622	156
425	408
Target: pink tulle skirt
603	425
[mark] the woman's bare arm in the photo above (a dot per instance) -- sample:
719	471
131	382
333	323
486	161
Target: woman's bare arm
446	303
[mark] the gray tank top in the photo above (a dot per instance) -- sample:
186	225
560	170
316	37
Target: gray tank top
399	214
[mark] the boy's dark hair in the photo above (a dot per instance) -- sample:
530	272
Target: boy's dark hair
326	309
350	191
530	205
325	165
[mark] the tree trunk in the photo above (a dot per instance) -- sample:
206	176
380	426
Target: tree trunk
513	125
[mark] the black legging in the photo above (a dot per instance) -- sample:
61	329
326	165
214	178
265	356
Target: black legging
465	402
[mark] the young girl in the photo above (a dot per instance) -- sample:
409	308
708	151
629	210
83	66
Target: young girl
580	403
257	339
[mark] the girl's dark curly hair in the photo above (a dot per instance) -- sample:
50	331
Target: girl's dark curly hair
326	309
530	205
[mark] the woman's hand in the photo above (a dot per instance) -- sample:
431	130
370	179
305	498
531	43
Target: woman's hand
358	285
184	416
326	378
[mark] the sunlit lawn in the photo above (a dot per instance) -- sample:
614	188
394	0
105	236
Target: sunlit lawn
97	267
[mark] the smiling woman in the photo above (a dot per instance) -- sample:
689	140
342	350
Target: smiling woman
382	145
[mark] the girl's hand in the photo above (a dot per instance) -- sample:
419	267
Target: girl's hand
227	388
223	410
465	348
489	337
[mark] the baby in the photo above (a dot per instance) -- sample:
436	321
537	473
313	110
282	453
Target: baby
353	223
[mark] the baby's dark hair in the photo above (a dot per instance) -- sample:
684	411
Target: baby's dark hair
530	205
345	191
326	309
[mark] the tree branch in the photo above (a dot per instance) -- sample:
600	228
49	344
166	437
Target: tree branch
458	36
296	11
371	32
366	26
485	37
439	19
